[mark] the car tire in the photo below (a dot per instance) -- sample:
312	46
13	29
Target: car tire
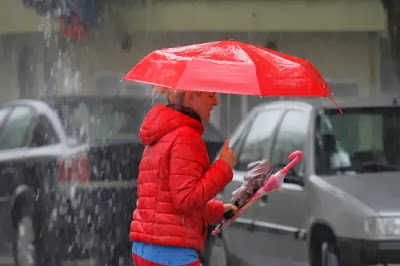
27	250
216	252
24	245
329	256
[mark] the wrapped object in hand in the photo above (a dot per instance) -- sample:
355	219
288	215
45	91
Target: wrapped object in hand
258	173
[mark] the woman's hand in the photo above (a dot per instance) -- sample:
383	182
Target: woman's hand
230	207
228	155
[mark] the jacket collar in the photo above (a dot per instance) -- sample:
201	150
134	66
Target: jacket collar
162	120
185	110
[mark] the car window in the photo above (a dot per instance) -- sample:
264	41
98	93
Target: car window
16	127
256	139
44	133
290	137
363	140
3	114
91	121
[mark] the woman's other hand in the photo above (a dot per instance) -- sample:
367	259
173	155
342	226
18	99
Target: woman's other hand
230	207
228	155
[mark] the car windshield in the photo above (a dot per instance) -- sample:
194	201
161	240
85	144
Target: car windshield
360	141
100	120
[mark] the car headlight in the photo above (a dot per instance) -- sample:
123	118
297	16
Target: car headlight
392	225
389	226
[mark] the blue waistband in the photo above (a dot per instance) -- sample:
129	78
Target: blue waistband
173	256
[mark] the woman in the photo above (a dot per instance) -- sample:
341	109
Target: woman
176	183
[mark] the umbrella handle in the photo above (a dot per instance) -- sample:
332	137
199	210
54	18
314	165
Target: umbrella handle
229	214
295	157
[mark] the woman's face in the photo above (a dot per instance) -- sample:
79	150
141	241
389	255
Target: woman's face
202	103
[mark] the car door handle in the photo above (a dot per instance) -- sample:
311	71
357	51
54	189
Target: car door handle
263	201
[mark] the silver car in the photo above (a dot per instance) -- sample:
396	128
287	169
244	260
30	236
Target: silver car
339	206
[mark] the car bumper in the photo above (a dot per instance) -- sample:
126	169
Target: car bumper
370	252
92	218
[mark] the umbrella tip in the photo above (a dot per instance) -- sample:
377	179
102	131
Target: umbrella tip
335	103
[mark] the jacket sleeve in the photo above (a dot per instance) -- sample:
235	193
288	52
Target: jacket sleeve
189	185
215	211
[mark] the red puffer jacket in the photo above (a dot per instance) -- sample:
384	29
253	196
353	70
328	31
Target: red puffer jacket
176	183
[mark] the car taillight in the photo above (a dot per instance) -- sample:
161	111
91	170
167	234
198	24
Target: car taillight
74	169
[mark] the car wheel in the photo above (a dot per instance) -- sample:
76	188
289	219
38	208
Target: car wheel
329	256
27	249
216	253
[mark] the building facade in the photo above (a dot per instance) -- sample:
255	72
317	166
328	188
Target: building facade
344	39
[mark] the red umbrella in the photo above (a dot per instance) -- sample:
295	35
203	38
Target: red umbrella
230	67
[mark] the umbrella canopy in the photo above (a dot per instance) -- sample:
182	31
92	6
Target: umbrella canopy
230	67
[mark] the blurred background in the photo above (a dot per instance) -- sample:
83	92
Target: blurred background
48	47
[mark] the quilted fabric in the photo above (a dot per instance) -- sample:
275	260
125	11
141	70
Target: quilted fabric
176	183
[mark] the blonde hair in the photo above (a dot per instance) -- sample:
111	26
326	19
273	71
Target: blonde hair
172	96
